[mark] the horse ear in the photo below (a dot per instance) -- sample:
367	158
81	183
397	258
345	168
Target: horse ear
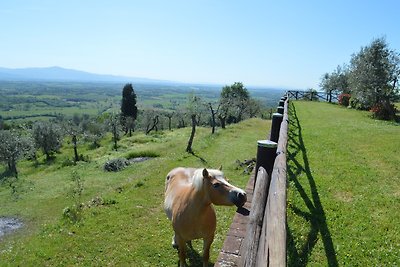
220	167
205	173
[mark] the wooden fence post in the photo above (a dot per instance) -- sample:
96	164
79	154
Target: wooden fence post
266	154
275	126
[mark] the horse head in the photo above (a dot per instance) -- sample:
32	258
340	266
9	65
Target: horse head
220	191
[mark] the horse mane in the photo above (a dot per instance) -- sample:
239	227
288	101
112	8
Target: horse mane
197	179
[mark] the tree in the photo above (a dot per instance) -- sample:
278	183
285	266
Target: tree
153	125
311	94
128	108
93	132
13	148
194	109
169	115
213	113
254	107
180	115
47	136
374	74
74	129
337	81
114	125
234	102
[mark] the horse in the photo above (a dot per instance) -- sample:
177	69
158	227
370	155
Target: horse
189	195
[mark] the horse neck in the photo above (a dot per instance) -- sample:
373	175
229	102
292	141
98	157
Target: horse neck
200	198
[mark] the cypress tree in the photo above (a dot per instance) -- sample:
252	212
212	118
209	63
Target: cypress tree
128	108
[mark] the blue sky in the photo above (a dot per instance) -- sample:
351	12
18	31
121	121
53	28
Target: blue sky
286	44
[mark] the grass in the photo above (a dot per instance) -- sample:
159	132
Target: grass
130	227
344	188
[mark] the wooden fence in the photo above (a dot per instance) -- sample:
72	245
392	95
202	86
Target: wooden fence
265	240
313	95
259	238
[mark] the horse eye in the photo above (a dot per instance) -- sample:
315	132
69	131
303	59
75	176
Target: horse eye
216	185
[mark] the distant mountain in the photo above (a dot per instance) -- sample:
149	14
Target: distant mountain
67	75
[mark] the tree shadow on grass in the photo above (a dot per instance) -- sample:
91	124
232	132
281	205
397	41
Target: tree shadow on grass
315	214
203	160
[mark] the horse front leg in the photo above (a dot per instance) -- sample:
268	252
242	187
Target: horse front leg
181	251
206	250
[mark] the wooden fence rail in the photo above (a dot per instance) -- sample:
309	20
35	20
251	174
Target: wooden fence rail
250	244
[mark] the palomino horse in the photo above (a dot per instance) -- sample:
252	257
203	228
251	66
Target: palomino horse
189	194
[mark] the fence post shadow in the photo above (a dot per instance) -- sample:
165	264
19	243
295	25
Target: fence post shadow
298	164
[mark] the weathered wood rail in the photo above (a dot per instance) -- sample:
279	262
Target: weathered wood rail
259	238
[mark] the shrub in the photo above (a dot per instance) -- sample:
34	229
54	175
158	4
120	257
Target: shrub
344	99
74	213
70	162
116	165
67	162
99	201
384	111
84	158
139	184
357	104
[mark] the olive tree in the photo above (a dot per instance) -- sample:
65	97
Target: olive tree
337	81
74	129
13	148
94	131
195	107
234	101
114	126
374	74
47	137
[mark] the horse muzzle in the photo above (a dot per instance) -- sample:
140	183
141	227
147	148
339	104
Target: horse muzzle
238	198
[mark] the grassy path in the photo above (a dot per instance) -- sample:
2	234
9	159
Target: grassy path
344	188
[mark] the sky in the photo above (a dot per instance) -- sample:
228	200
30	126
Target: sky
281	44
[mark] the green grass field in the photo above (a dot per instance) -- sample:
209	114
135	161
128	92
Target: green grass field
343	188
130	229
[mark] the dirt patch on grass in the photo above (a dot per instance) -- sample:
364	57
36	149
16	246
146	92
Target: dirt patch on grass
344	196
8	225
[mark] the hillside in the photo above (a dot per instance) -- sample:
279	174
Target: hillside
65	75
128	225
33	100
344	188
